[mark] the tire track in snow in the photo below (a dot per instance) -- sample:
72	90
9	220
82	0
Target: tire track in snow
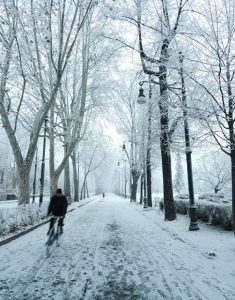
84	256
22	286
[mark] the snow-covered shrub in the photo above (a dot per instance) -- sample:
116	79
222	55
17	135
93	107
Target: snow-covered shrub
182	196
3	224
211	197
181	207
13	222
18	218
207	211
31	214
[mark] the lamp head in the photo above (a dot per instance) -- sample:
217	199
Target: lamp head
141	96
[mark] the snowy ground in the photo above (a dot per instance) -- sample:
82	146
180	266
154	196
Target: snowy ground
113	249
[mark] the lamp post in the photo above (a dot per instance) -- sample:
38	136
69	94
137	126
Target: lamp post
145	188
119	181
147	161
124	149
115	182
141	97
148	154
43	163
125	177
35	176
192	207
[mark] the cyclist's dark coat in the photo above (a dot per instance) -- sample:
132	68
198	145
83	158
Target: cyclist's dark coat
58	205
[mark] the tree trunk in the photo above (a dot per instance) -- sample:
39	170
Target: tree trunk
87	191
54	184
148	154
75	177
83	189
84	192
67	187
170	211
141	188
53	177
135	177
231	138
81	194
78	166
233	186
149	179
133	191
24	185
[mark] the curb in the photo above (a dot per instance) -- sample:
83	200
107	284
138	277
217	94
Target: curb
17	235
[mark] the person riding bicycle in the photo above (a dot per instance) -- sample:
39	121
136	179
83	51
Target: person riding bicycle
58	208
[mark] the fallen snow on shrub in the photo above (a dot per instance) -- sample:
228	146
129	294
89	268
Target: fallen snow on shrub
213	212
16	219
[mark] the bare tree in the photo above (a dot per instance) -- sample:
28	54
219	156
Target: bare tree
215	76
167	32
31	42
127	118
73	108
90	166
213	169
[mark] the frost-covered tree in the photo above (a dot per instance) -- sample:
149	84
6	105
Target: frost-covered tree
214	46
127	118
77	102
36	42
214	170
155	62
93	154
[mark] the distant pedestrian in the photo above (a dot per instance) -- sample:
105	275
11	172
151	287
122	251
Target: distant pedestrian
103	195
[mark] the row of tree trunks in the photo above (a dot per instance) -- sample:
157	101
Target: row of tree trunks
233	185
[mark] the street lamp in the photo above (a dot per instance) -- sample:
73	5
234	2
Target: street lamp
125	178
35	176
192	207
141	96
119	181
43	163
141	100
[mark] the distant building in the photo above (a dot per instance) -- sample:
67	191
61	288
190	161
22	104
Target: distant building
8	183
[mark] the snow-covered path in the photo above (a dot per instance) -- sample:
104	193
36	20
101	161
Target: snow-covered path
112	249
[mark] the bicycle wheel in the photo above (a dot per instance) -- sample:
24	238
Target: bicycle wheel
59	232
50	241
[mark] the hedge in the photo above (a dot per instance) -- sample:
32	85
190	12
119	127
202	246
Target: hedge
213	213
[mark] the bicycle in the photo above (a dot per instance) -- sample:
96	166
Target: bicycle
54	235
